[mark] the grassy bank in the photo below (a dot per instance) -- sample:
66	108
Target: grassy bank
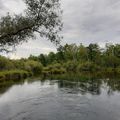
14	75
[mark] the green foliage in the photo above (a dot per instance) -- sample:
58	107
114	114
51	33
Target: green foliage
5	64
42	58
41	16
33	66
14	75
31	57
17	68
54	69
69	59
88	66
82	53
111	61
51	58
118	70
75	58
71	66
93	52
19	64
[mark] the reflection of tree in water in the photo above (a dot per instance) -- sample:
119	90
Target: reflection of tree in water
87	83
91	86
113	85
4	87
73	84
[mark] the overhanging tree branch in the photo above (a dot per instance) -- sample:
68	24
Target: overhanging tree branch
42	16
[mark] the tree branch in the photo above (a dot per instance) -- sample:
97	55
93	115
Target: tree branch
15	33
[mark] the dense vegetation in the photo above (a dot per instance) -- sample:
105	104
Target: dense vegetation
18	69
68	58
73	58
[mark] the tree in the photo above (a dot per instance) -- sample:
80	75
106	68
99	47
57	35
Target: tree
51	57
71	66
41	16
112	55
70	52
31	57
33	66
82	53
5	64
42	59
94	52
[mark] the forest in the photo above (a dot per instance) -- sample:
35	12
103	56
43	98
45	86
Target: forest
68	59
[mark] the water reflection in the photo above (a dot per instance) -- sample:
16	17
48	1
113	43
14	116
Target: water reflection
64	97
91	86
5	86
76	83
113	85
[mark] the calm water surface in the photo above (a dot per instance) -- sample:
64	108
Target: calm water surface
61	100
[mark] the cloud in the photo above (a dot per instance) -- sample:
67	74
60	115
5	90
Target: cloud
85	21
91	20
34	47
2	8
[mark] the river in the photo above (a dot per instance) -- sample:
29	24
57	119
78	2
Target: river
61	100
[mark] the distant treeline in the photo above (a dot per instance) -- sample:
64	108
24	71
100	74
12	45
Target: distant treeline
68	58
73	58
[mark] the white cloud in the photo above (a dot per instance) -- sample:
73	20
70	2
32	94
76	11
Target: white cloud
84	21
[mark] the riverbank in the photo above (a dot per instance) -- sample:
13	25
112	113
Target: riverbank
14	75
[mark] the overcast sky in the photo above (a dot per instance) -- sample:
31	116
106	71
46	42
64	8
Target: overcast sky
85	21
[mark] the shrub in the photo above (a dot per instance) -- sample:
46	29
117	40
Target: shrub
54	69
34	67
118	70
5	64
2	77
88	66
14	75
71	66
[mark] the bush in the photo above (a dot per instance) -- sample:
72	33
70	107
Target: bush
88	66
19	64
111	70
58	71
71	66
14	75
118	70
5	64
54	69
34	67
2	77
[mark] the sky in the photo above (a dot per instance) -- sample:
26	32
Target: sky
85	21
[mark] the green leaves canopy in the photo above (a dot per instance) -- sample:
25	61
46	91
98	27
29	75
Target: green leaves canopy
41	16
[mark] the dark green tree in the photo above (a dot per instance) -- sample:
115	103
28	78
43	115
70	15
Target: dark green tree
41	16
51	57
59	56
82	53
43	59
93	52
31	57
